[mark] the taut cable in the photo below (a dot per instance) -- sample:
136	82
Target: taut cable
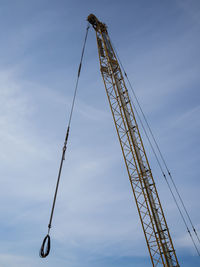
46	244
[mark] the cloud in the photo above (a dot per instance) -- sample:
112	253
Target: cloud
14	260
95	216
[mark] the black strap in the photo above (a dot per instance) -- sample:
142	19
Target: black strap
44	250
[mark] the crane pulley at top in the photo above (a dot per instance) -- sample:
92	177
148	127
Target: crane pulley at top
156	231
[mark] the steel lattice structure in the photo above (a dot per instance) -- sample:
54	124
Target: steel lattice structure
150	211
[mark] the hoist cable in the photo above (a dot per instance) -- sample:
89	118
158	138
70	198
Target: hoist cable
163	160
184	206
45	248
159	164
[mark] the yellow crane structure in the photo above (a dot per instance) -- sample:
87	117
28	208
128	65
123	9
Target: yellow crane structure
156	231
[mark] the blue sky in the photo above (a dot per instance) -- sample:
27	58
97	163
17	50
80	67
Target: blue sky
96	222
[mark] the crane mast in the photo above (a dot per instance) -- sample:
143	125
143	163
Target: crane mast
156	231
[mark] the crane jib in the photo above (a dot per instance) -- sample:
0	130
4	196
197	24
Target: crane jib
151	214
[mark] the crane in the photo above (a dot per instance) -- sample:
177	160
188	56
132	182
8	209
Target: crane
154	225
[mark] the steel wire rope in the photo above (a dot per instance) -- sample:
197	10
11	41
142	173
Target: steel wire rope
160	166
46	244
163	173
163	160
157	159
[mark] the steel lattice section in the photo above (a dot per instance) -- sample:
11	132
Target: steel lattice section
151	215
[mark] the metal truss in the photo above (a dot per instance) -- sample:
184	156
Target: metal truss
150	211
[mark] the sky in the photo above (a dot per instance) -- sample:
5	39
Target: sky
95	222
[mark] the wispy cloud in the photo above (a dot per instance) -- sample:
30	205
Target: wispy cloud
95	216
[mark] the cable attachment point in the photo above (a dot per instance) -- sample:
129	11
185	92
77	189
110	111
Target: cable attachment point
79	69
45	248
65	143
